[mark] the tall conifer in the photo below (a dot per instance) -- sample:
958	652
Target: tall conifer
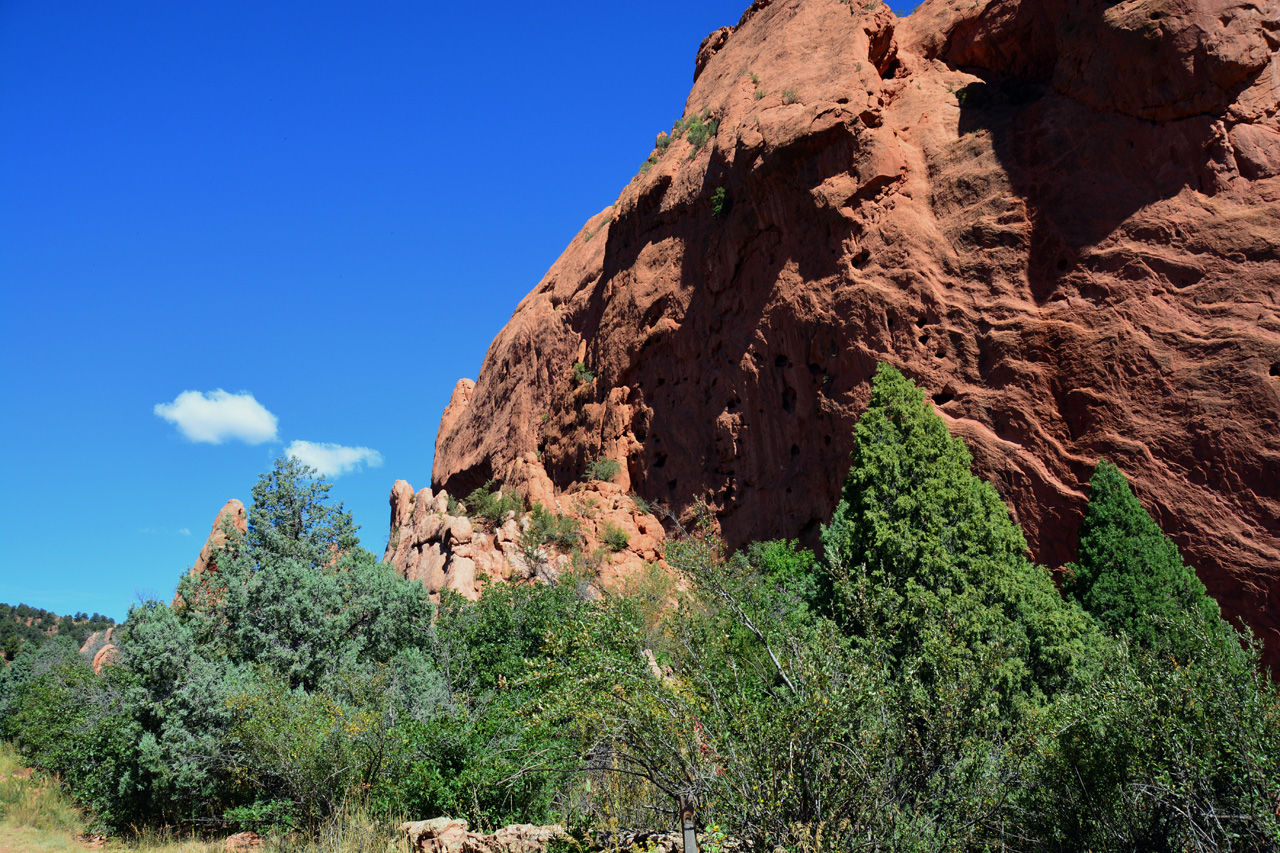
1129	575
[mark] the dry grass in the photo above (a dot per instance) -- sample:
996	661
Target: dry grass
36	816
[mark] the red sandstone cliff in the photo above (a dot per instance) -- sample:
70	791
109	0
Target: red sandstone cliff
1060	217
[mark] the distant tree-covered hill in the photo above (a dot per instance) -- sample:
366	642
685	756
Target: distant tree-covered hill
23	624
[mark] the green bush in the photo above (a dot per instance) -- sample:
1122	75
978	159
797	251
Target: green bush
549	528
582	375
719	203
789	96
614	537
602	468
699	129
491	507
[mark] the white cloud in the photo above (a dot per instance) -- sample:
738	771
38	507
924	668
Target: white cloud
218	416
333	460
184	531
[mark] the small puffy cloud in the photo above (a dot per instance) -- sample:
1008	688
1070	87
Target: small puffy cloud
333	460
219	416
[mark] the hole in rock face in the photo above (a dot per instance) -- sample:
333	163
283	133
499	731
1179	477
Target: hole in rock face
1063	263
659	460
781	361
795	451
1275	369
921	323
789	399
943	397
842	100
671	485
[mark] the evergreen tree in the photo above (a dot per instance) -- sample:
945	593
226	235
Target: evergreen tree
291	519
1130	576
925	554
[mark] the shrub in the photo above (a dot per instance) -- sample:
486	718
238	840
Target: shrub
582	375
603	468
789	96
698	128
719	203
491	507
549	528
614	537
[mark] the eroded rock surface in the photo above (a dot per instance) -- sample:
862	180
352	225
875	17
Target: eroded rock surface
445	551
444	835
1060	217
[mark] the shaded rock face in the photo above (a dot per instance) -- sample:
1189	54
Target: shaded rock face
1059	217
444	551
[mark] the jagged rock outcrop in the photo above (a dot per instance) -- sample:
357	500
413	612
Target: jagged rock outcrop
444	835
445	551
232	515
1060	217
99	649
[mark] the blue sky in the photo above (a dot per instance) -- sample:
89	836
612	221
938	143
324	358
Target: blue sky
325	211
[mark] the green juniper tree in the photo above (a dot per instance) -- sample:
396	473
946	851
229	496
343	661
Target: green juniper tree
290	517
1129	575
919	546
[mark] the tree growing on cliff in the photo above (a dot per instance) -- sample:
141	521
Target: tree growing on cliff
1129	575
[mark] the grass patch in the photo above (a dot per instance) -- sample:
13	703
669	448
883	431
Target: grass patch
34	800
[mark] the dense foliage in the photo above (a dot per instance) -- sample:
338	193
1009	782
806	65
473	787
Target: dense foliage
24	626
920	686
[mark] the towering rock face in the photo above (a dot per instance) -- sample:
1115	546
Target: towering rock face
1060	217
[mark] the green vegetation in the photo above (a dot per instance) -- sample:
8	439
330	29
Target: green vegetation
699	129
920	685
24	626
602	468
1129	574
789	96
491	507
550	528
719	203
614	537
582	375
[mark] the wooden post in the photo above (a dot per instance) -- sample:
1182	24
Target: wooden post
689	823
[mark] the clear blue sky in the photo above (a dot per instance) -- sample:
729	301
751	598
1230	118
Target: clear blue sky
326	210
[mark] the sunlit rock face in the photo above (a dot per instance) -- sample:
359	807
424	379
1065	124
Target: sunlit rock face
1059	217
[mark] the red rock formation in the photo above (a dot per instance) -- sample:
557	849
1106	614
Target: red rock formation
445	551
232	513
1060	217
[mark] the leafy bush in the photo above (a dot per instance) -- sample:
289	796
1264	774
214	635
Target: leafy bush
614	537
698	128
549	528
789	96
484	504
602	468
719	203
582	375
